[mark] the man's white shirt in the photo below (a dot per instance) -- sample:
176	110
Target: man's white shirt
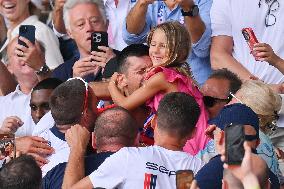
143	167
17	104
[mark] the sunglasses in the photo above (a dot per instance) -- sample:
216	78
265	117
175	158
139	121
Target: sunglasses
210	101
85	107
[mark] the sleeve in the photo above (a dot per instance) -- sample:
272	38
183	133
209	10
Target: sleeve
220	18
131	38
112	172
53	55
58	34
54	178
202	47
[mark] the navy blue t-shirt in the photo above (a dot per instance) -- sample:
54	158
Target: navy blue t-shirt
54	178
211	174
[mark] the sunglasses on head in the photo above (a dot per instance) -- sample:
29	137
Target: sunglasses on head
210	101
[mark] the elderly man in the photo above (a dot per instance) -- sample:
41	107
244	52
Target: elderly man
81	19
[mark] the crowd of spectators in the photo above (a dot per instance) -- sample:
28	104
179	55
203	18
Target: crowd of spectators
157	100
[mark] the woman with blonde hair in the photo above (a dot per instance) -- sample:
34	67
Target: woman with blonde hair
263	101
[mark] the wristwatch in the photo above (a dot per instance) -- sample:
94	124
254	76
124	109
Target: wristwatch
192	12
43	70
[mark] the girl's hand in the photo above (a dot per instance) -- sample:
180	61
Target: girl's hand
264	52
113	79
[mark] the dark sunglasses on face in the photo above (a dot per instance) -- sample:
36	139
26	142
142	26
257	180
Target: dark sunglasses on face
210	101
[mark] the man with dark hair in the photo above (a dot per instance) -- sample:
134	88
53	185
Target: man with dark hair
217	88
40	97
153	166
21	173
71	103
115	128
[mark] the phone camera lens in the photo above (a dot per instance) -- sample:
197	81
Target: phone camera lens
246	35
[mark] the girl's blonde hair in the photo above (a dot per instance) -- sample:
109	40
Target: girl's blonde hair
262	100
178	43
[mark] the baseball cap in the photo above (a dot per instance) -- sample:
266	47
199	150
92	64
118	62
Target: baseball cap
236	113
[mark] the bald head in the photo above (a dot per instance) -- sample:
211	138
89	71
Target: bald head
115	126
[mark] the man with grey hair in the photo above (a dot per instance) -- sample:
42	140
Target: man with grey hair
81	19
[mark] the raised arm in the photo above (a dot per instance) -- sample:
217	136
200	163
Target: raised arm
194	24
57	16
77	138
221	57
150	88
136	18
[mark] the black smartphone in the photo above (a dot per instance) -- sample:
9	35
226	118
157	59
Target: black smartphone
184	179
28	32
99	39
7	145
234	144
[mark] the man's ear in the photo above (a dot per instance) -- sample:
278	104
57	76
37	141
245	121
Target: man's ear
10	69
69	33
154	121
94	144
257	142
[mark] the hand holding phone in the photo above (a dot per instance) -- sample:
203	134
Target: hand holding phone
184	179
99	39
234	144
28	32
251	40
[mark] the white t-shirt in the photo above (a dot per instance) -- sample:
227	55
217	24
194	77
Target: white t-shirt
17	104
229	17
56	140
143	167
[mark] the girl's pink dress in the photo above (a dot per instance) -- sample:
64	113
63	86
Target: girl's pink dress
186	85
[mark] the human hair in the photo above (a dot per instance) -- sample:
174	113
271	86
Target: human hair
261	99
48	83
72	3
178	114
137	50
234	81
178	43
21	173
67	102
115	126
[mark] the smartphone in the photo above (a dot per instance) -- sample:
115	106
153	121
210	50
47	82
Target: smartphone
184	179
250	39
99	39
28	32
234	144
7	145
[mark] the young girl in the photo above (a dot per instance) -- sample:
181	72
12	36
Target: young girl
169	48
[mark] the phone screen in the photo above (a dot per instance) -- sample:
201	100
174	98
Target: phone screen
234	144
99	39
184	179
28	32
7	145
